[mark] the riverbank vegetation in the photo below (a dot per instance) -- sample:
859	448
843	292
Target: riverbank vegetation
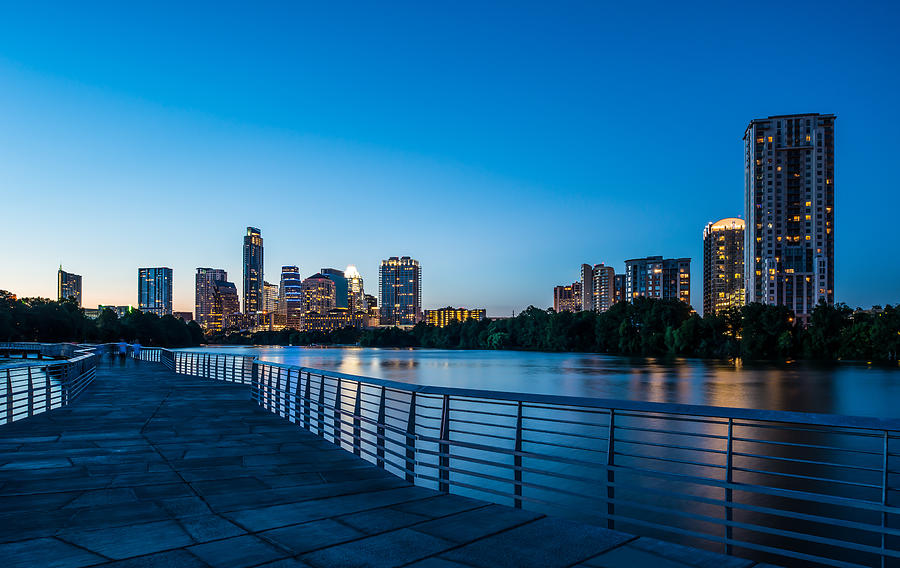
43	320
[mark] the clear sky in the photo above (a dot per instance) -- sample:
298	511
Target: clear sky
502	145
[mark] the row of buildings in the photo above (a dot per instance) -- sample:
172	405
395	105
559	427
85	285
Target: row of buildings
328	300
780	253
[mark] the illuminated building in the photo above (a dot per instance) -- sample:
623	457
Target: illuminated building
341	285
656	277
270	298
445	316
356	296
620	288
186	316
205	297
597	287
155	290
68	285
567	298
120	311
227	307
253	271
332	320
789	208
91	313
723	265
318	294
374	314
400	291
290	298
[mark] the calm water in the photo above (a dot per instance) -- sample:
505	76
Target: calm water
844	389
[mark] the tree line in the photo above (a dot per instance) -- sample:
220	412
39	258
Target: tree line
43	320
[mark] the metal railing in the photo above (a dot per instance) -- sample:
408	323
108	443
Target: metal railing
793	488
30	388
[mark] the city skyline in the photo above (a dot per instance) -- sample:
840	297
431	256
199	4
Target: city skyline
585	148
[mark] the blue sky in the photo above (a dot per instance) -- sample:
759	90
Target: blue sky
501	144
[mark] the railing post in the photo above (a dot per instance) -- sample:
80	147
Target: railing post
884	495
357	421
47	388
729	510
517	460
610	474
306	402
379	430
320	412
9	397
255	387
444	449
411	440
278	397
336	415
30	394
234	370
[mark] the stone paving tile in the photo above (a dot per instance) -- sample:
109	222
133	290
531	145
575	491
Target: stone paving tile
440	506
48	552
237	552
314	535
478	523
169	559
544	543
380	520
652	552
203	528
130	540
386	550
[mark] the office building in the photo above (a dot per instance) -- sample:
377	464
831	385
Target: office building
597	287
567	298
68	285
656	277
318	294
270	298
290	298
372	310
205	297
253	272
619	288
789	211
341	285
445	316
400	291
723	265
155	290
332	320
226	306
186	316
356	296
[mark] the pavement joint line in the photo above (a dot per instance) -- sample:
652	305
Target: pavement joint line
610	549
74	545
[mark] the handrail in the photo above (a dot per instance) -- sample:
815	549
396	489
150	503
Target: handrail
786	487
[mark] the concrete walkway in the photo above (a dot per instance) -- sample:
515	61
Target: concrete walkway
149	468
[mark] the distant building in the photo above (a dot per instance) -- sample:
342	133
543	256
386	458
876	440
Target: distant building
356	296
68	285
155	290
400	291
91	313
332	320
620	288
597	287
205	297
227	307
253	271
186	316
789	207
318	293
723	265
656	277
120	311
270	298
567	298
341	285
445	316
374	314
290	298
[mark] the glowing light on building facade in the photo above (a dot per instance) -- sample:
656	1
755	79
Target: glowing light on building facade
723	265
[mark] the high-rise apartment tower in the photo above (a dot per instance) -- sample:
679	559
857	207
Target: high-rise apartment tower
723	265
155	290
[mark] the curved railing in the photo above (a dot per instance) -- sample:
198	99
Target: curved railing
31	388
789	487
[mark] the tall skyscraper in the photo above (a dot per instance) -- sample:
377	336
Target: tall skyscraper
789	207
567	298
155	290
598	287
253	271
723	265
205	297
270	298
226	306
319	294
341	285
656	277
68	285
356	296
400	291
290	298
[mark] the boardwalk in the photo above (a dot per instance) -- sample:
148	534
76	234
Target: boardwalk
152	469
